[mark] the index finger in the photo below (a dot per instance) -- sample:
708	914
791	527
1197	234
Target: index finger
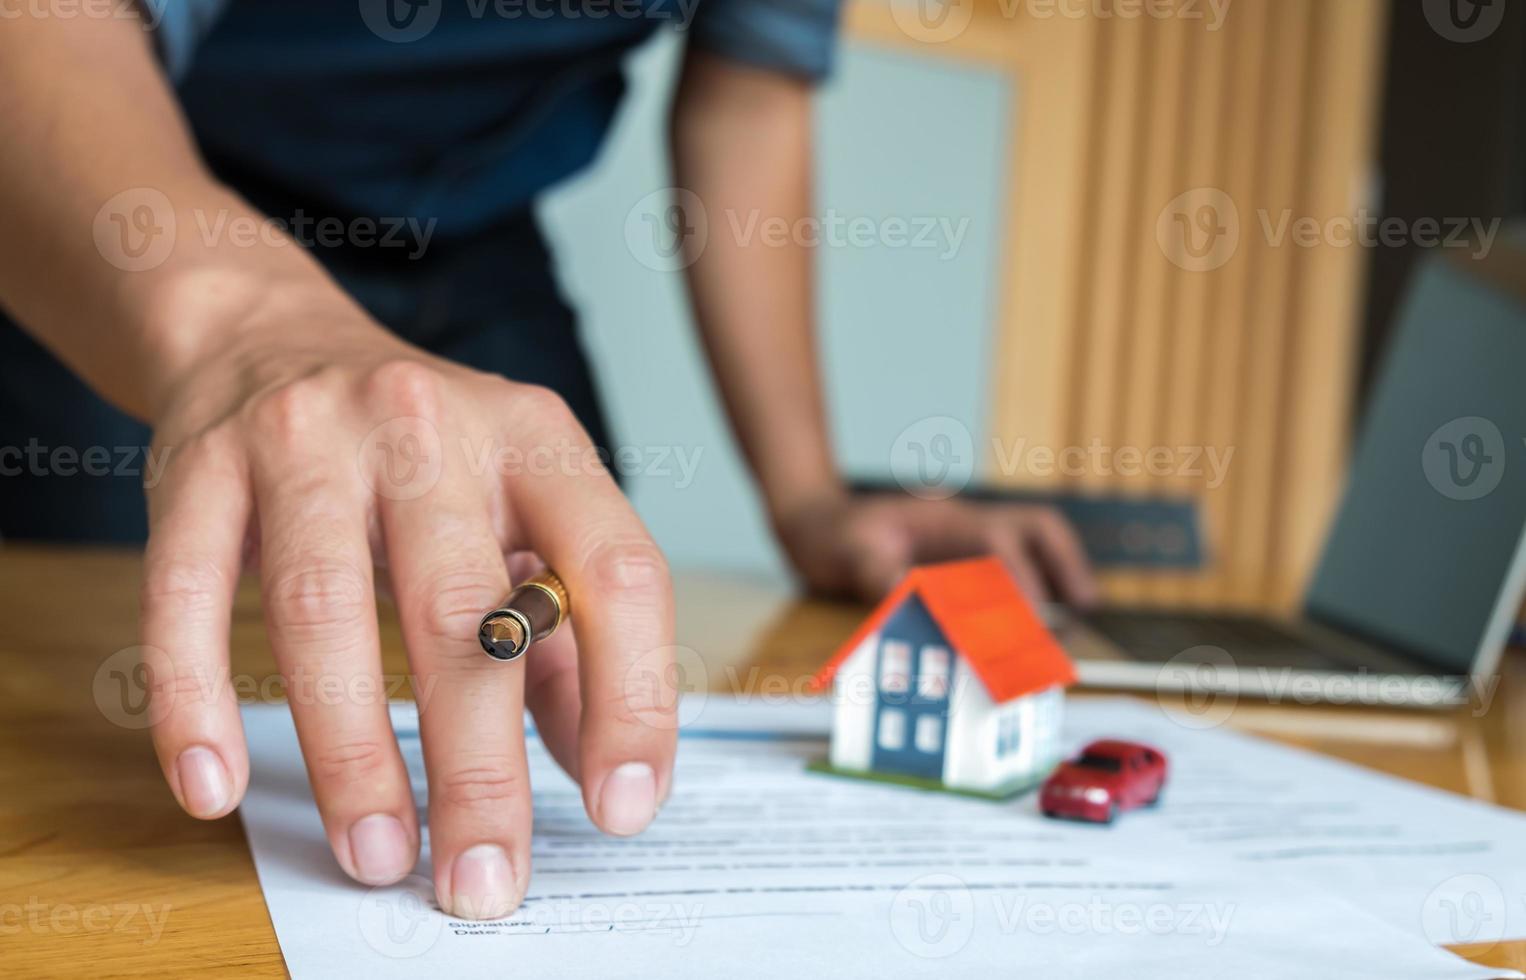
197	518
1056	540
617	579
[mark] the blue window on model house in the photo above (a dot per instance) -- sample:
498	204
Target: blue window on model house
1009	731
913	668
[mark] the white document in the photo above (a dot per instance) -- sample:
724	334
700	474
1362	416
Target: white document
1433	863
756	868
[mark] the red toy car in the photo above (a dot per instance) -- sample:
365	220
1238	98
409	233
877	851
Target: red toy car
1107	777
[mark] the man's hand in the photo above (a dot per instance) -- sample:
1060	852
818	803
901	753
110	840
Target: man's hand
863	545
742	145
325	448
300	431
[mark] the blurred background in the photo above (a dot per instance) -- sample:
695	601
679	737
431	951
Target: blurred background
1152	232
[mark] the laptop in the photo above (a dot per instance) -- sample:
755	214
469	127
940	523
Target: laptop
1421	577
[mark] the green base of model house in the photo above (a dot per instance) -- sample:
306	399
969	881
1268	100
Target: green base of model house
1006	791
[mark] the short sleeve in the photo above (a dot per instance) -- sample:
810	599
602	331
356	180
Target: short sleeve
178	27
797	37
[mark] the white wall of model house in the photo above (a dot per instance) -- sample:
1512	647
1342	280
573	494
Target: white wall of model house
853	691
975	732
971	758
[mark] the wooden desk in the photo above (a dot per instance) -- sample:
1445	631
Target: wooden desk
92	845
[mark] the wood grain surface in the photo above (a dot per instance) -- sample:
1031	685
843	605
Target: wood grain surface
102	875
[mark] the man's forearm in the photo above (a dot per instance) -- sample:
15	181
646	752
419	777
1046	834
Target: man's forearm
742	145
102	196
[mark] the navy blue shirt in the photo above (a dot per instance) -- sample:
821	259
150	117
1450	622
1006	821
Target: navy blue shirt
452	114
457	111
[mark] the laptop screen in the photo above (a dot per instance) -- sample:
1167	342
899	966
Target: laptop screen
1428	540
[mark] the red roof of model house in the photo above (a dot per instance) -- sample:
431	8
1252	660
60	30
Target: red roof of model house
985	618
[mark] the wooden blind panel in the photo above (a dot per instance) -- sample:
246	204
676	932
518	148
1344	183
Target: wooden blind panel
1103	336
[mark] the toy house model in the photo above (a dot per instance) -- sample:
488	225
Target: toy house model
953	683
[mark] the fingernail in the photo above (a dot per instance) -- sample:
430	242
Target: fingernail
379	849
204	784
482	883
629	800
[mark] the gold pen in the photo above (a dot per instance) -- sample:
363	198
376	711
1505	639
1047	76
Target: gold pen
531	613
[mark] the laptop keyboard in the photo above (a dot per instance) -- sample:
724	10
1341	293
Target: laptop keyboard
1249	640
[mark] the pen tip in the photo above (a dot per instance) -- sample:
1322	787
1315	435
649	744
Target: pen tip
503	637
